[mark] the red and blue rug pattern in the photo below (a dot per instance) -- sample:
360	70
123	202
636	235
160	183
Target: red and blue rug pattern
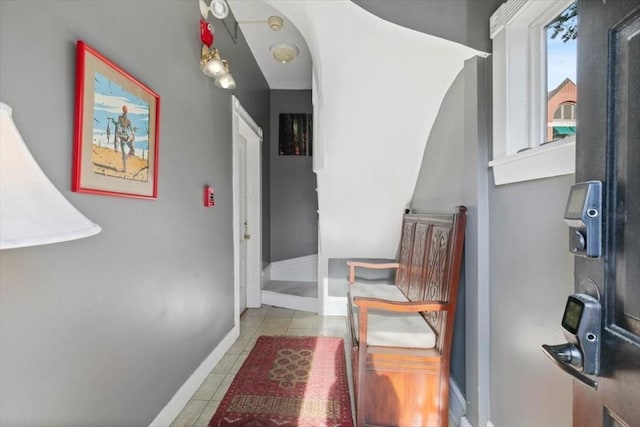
289	381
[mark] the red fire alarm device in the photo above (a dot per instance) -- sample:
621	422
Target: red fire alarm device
208	197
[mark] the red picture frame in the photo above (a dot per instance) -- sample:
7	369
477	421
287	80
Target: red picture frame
116	131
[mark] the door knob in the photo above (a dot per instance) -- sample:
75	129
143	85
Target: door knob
568	358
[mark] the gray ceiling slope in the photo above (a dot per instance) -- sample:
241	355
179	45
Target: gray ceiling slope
461	21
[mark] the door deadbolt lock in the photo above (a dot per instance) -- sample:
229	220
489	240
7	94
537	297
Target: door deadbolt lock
583	216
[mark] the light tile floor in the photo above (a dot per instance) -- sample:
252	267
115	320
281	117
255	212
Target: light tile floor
254	322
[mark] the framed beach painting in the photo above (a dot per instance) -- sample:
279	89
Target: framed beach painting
115	148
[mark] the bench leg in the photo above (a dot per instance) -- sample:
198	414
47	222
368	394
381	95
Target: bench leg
362	376
362	366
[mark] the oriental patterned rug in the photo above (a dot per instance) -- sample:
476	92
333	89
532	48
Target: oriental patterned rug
289	381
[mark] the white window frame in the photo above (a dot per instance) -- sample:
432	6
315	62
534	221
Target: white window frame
517	29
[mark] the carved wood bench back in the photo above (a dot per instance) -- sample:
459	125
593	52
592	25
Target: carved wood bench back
430	257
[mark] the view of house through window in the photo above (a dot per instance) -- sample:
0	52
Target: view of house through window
562	91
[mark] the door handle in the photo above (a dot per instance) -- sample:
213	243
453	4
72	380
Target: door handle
566	356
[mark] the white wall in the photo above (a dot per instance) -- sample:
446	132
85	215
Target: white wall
378	88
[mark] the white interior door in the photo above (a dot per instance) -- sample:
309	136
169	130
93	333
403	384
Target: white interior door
247	213
243	220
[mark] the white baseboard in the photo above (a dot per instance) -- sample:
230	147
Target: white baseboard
457	403
303	269
292	302
184	393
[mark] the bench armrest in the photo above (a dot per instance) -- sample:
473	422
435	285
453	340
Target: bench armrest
376	266
400	306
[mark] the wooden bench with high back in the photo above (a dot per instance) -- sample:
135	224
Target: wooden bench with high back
401	333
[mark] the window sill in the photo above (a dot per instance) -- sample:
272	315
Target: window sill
554	159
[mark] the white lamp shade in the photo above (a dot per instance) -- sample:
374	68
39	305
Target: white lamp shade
32	210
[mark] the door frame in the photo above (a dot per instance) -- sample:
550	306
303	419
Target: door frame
244	127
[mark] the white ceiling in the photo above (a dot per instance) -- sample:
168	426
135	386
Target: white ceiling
252	18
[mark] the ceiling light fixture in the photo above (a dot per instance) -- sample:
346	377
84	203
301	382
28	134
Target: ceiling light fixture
226	80
211	63
284	52
218	8
275	23
217	68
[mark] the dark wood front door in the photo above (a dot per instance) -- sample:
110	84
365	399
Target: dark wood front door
608	149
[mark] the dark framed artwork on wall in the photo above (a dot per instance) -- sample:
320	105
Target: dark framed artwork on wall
295	136
115	149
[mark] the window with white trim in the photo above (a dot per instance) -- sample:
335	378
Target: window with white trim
524	148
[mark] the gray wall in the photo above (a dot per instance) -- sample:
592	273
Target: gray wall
104	330
530	268
440	187
462	21
531	277
440	183
294	200
477	124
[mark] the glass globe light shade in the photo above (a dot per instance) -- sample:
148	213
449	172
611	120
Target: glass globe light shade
214	68
226	82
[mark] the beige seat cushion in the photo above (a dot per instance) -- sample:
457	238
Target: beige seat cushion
388	292
389	329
